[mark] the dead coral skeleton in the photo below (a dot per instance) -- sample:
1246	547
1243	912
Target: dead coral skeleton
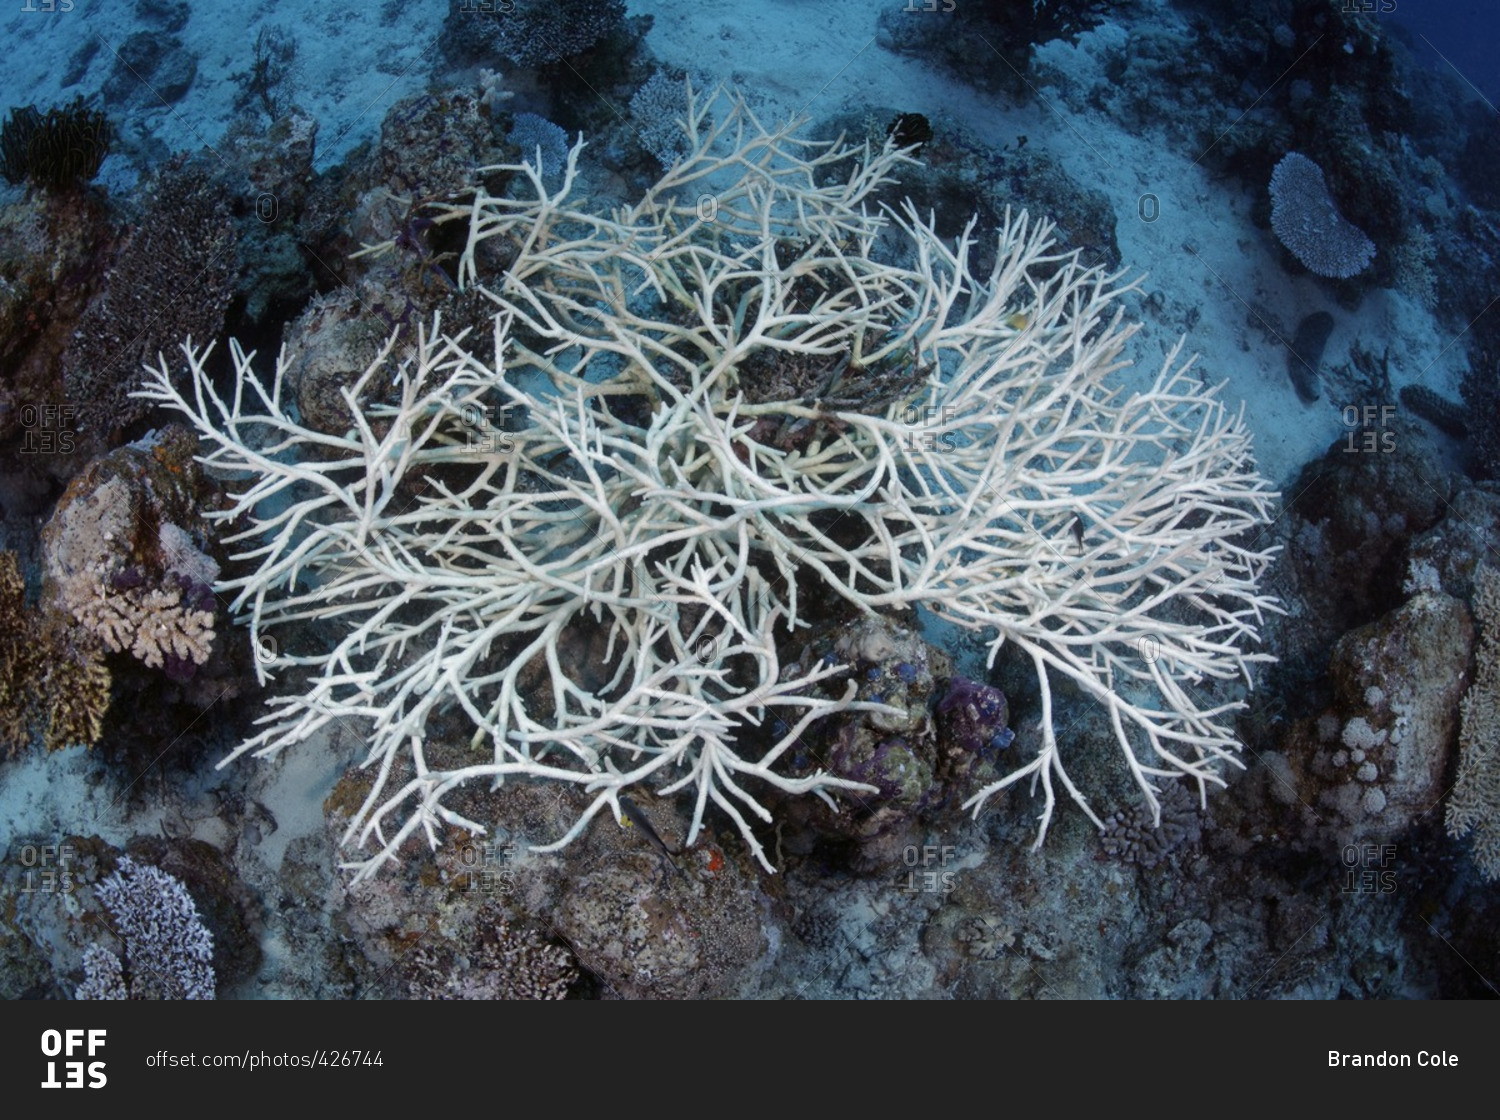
645	491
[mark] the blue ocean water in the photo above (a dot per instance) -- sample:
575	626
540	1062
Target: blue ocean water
1457	37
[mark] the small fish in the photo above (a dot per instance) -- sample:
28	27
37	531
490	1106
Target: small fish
1017	320
633	815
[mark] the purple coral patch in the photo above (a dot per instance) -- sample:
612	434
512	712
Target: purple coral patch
972	717
127	578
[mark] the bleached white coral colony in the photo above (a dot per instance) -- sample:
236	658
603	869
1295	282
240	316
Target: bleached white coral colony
695	409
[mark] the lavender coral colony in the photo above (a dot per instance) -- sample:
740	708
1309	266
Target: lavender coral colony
168	949
692	425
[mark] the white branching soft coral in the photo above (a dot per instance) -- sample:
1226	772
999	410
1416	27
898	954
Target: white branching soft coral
699	411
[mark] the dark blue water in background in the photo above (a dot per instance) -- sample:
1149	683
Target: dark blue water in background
1459	37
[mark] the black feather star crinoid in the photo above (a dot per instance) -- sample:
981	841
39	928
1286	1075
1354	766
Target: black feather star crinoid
55	149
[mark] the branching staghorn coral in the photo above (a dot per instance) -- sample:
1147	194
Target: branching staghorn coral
958	450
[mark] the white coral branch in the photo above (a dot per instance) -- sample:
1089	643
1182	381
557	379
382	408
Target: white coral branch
1104	538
